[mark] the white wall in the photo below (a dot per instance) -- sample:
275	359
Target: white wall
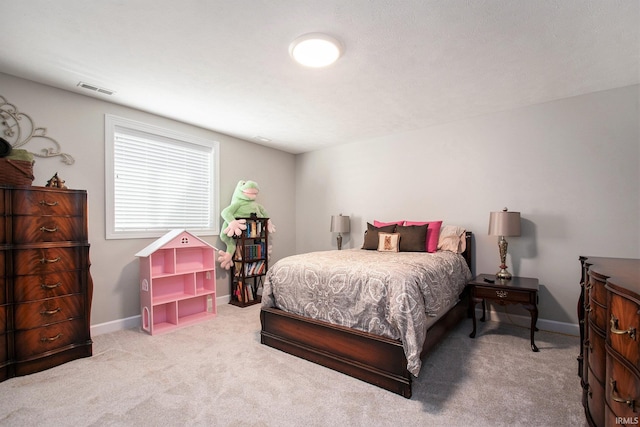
77	122
571	167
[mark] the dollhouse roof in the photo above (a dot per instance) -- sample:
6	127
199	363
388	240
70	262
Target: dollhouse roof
167	240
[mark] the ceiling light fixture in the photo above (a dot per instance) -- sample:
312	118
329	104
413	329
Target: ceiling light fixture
315	50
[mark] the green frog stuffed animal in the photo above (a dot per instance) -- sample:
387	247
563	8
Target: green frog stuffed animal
243	204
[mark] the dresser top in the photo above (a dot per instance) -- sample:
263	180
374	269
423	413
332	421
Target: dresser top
619	272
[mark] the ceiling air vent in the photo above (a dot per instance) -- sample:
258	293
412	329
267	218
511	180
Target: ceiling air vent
95	88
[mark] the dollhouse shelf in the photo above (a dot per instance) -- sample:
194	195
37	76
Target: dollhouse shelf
177	282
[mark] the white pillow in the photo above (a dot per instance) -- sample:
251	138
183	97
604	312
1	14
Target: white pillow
452	238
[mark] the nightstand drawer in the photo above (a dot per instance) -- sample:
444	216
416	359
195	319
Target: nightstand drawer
502	294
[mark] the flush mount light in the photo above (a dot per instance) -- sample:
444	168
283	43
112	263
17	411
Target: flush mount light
315	50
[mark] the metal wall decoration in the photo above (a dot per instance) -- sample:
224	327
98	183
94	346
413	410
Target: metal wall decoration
19	129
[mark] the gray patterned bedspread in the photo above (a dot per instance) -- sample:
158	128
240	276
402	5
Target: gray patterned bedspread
392	294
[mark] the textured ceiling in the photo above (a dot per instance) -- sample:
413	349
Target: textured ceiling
408	64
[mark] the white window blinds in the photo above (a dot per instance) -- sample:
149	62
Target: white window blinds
161	182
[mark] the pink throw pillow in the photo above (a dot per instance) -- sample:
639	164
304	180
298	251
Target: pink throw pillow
384	224
433	233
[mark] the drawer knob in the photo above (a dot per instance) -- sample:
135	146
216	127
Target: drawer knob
502	294
53	286
45	203
50	339
614	329
49	230
631	403
49	261
50	312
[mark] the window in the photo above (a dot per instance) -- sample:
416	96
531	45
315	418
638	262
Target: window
158	180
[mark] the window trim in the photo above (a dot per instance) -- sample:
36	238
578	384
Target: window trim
111	122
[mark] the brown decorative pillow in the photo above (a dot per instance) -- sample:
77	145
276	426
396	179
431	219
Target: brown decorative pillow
412	237
388	242
371	235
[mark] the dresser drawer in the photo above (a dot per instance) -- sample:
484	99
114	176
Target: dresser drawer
595	399
597	291
4	312
624	328
48	202
598	316
3	228
4	347
3	290
596	354
622	388
34	229
49	338
502	294
49	260
34	287
34	314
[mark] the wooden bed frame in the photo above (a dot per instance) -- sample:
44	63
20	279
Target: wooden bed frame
377	360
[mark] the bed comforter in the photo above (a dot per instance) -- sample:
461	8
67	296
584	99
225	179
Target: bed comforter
392	294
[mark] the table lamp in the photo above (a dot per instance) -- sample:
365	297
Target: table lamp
339	224
503	224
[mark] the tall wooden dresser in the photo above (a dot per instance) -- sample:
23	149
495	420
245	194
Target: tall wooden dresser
45	284
609	360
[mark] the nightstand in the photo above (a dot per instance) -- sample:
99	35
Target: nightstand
517	290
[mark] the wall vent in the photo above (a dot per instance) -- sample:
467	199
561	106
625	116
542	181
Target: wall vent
95	88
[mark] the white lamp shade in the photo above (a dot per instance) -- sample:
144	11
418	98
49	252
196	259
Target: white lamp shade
504	223
339	224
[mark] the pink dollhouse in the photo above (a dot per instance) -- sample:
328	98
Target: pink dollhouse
177	282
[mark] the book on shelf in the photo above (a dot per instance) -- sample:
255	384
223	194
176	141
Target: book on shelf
238	253
244	292
237	268
254	268
254	251
249	293
238	291
254	228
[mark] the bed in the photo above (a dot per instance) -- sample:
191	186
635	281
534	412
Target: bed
383	336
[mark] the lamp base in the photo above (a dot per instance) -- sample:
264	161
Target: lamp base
503	274
339	241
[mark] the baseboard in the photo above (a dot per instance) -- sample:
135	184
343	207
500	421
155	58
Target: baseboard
525	321
134	322
517	319
116	325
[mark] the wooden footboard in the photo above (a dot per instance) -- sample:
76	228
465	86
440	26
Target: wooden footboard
377	360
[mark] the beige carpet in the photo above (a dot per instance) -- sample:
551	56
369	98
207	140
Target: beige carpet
218	374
